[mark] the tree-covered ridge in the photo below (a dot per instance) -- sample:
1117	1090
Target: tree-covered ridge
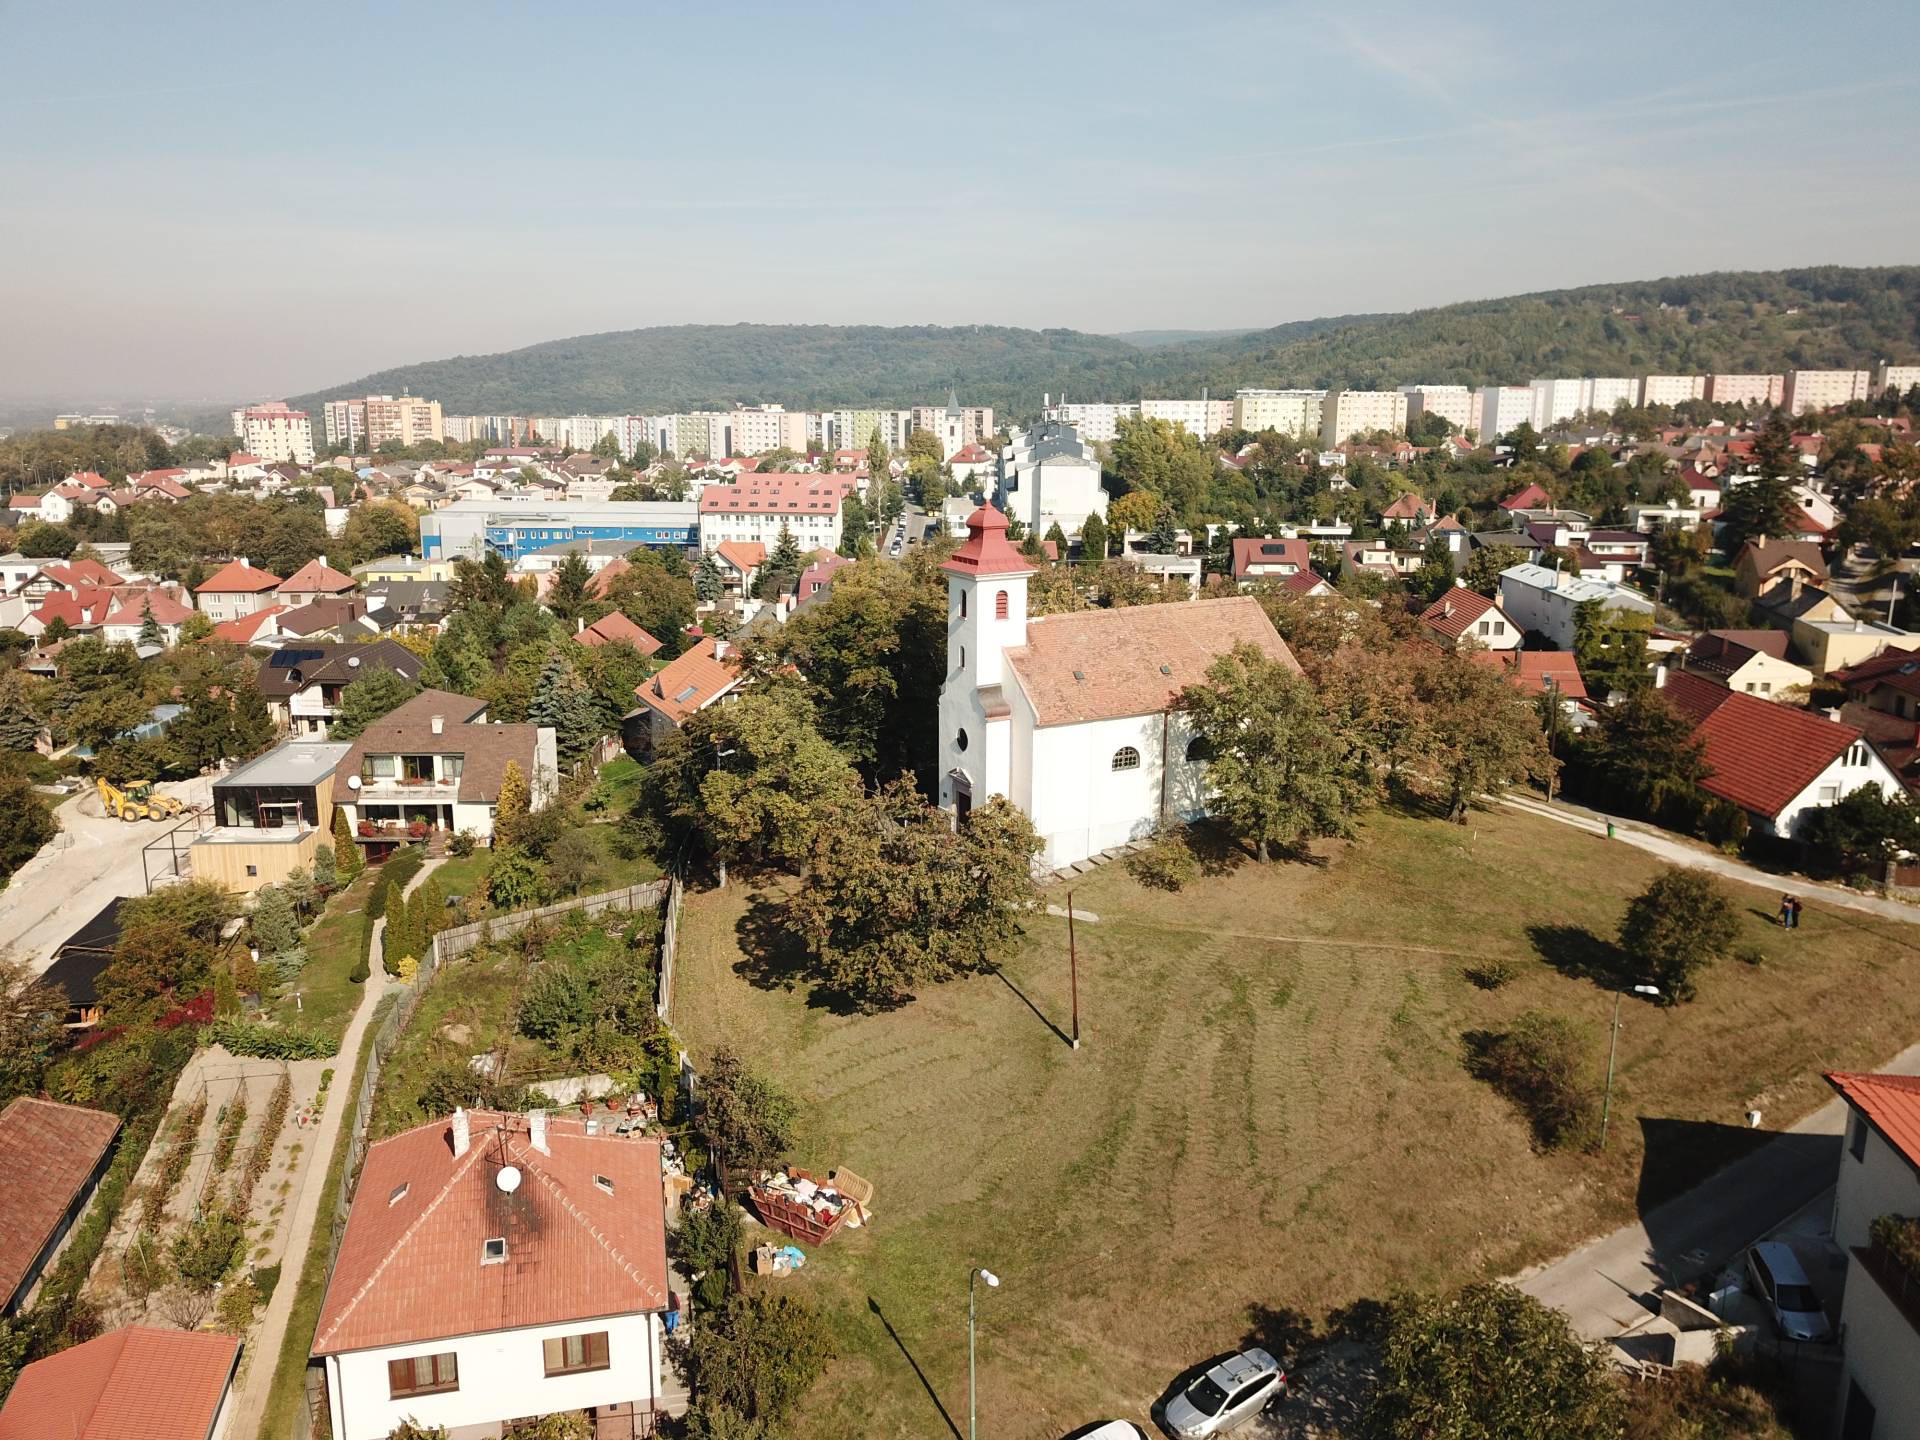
1828	316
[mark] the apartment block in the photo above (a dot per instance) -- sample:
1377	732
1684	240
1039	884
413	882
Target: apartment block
1822	389
1346	413
759	508
275	433
1605	392
976	421
1456	404
854	429
1291	412
346	424
1896	377
1557	400
1097	423
1202	418
1671	389
408	419
1752	390
1503	408
760	428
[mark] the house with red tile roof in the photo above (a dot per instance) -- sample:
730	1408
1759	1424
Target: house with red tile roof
498	1267
1534	672
237	588
1878	1390
1753	662
1532	496
1307	584
1075	718
129	617
760	508
1258	558
817	579
1409	509
738	560
706	673
85	609
1464	617
259	628
315	580
1775	762
617	627
134	1383
53	1156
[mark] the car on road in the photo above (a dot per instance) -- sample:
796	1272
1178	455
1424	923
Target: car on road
1108	1430
1226	1395
1782	1287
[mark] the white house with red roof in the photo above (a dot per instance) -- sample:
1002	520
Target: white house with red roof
129	617
237	588
1462	617
1880	1316
1258	558
498	1267
1074	718
315	580
759	508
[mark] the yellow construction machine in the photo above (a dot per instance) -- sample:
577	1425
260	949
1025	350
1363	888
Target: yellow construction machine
137	800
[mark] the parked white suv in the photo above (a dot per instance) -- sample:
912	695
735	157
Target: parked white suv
1782	1287
1228	1395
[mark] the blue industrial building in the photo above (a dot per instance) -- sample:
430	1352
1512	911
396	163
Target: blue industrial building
471	527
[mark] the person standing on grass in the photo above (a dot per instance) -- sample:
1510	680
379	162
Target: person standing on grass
1793	912
1786	912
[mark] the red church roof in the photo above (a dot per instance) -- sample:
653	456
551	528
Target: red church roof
985	550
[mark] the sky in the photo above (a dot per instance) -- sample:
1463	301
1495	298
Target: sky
213	201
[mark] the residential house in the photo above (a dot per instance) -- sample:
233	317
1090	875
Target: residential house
259	628
1074	717
1383	558
1879	1174
408	604
1538	672
1765	566
615	627
341	617
1753	662
1531	496
435	763
1408	510
163	605
1786	606
135	1383
499	1267
1306	584
817	579
270	815
237	588
79	610
53	1156
1888	683
707	673
315	580
1773	761
1268	559
1547	602
302	683
1464	617
77	965
1844	640
738	561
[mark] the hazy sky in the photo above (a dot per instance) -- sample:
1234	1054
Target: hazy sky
223	200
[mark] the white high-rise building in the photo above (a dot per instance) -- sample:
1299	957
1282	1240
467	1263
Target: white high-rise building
1455	404
1503	408
1672	389
1822	389
1896	377
976	421
1096	423
1606	392
275	433
1346	413
1203	418
1557	400
1291	412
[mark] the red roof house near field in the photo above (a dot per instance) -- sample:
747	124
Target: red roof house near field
1773	761
137	1383
52	1156
1888	1103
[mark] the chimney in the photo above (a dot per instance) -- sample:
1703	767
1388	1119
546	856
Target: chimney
1834	716
1660	676
245	563
439	724
537	1127
719	649
462	1137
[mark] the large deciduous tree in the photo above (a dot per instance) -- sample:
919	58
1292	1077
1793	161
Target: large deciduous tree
1682	921
1277	772
1478	734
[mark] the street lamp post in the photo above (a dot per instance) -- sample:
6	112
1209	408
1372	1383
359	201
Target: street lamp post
992	1280
1613	1046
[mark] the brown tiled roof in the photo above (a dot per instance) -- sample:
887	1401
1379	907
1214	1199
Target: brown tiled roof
233	578
317	576
1249	551
1767	556
410	1265
137	1383
1106	664
1453	614
1759	755
296	667
48	1152
1721	652
744	555
616	626
487	748
691	682
1530	670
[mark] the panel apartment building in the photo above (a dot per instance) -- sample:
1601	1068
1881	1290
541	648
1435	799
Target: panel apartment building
367	423
1291	412
1346	413
275	433
1458	405
1823	389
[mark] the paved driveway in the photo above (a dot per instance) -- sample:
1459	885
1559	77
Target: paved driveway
93	860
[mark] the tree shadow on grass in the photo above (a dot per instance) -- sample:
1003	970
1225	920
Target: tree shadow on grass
1216	850
1579	954
1280	1330
774	957
925	1384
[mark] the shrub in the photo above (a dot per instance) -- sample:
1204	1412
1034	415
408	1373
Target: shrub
1751	955
1168	865
1539	1064
1681	921
362	969
1492	974
463	843
271	1042
232	1117
1899	1236
205	1251
235	1307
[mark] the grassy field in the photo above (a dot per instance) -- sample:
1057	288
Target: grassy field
327	997
1269	1114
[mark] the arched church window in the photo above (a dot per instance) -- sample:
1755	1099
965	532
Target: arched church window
960	740
963	604
1126	758
1199	750
999	604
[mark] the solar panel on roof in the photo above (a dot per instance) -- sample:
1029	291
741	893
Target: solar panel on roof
287	659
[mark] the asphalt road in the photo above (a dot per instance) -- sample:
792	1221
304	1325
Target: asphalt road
92	860
1601	1284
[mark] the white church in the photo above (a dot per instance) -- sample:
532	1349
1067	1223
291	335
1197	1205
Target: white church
1074	717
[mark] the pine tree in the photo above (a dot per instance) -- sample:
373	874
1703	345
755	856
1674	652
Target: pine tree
570	593
707	582
276	928
433	906
512	806
150	632
1162	540
1093	539
19	726
346	855
394	940
563	701
1058	538
417	923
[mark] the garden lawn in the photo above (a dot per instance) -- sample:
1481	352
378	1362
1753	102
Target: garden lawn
1269	1108
327	997
463	874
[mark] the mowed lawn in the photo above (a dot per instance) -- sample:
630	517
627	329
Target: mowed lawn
1268	1112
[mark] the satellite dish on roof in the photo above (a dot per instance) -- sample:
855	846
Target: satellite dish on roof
353	782
508	1179
353	662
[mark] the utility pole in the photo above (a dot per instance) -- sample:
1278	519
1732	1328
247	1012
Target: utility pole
1073	971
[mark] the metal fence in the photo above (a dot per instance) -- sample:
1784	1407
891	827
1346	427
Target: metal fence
459	939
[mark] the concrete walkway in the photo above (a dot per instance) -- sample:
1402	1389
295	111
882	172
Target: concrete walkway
263	1348
1600	1285
1684	852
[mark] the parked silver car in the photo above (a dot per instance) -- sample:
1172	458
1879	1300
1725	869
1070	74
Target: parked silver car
1226	1396
1782	1287
1108	1430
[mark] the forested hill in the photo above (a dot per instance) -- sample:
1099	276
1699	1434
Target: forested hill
1747	321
